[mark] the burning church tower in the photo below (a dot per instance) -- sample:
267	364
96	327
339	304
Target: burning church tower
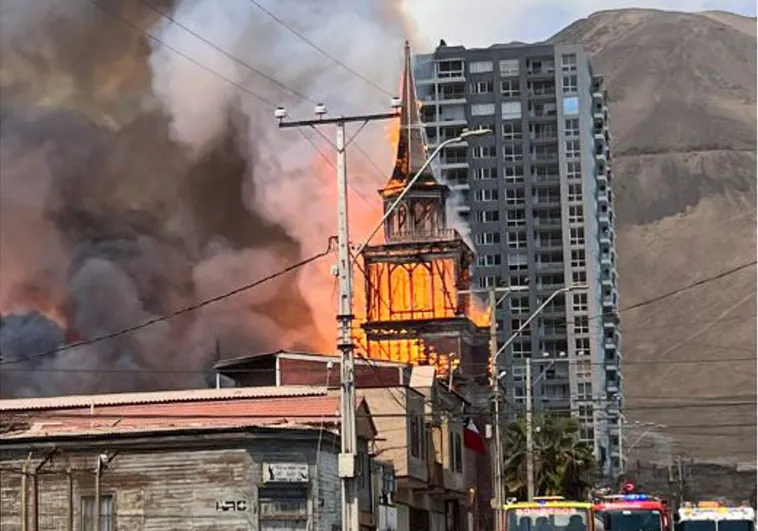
416	312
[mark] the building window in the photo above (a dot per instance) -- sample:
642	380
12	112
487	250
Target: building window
584	390
568	62
573	170
483	152
488	238
480	67
582	345
569	85
579	277
576	214
514	196
518	304
578	259
512	131
510	88
585	413
489	281
570	105
450	68
519	280
418	437
582	324
516	240
511	110
584	369
456	450
106	513
488	216
486	194
573	149
481	87
580	302
486	260
576	236
483	109
513	174
572	127
575	192
587	434
515	218
482	174
512	153
509	67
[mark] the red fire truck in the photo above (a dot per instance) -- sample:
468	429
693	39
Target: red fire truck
633	512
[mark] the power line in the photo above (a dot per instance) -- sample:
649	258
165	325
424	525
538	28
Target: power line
179	312
319	49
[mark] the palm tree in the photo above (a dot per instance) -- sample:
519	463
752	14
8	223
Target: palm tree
563	465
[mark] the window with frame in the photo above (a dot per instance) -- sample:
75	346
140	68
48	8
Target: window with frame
487	260
106	513
518	258
519	373
516	240
482	109
512	130
568	62
570	105
519	280
456	449
513	153
576	236
509	67
510	88
575	192
488	216
572	127
515	218
418	437
481	87
513	173
514	196
480	67
521	350
582	345
487	194
483	152
573	170
489	281
511	110
488	238
579	277
584	390
578	258
573	149
519	394
585	412
483	174
580	302
570	84
581	324
576	214
452	68
584	369
518	304
587	434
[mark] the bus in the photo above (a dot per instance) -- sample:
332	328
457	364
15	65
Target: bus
633	512
552	513
714	516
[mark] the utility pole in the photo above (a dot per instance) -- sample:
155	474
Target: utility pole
529	434
348	437
497	458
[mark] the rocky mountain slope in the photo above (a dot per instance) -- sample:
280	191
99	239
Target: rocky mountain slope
683	107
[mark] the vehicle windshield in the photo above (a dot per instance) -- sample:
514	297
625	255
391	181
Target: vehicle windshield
632	520
736	525
547	519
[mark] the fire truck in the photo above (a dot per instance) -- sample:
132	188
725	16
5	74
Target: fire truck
715	516
551	513
633	512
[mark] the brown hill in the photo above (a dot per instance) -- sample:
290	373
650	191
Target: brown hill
683	106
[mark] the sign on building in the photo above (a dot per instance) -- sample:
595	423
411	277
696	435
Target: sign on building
285	473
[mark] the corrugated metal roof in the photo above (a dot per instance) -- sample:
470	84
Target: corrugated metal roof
286	411
26	404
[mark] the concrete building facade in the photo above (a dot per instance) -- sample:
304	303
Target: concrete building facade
538	197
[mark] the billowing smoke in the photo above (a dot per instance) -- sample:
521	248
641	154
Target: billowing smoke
135	182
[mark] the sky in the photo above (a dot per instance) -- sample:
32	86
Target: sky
491	21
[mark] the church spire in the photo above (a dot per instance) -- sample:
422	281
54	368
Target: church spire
411	145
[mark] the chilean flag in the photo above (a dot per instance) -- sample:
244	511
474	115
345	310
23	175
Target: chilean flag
473	440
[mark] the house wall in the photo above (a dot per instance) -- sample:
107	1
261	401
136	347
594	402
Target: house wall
178	486
314	372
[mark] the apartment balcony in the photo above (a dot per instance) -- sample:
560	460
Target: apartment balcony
601	156
541	73
600	113
549	115
441	121
550	266
552	223
603	197
600	176
605	238
548	245
546	179
547	201
604	218
549	157
550	137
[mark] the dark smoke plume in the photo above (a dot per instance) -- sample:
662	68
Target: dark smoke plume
134	182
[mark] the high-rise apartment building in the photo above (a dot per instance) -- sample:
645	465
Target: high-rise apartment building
538	197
